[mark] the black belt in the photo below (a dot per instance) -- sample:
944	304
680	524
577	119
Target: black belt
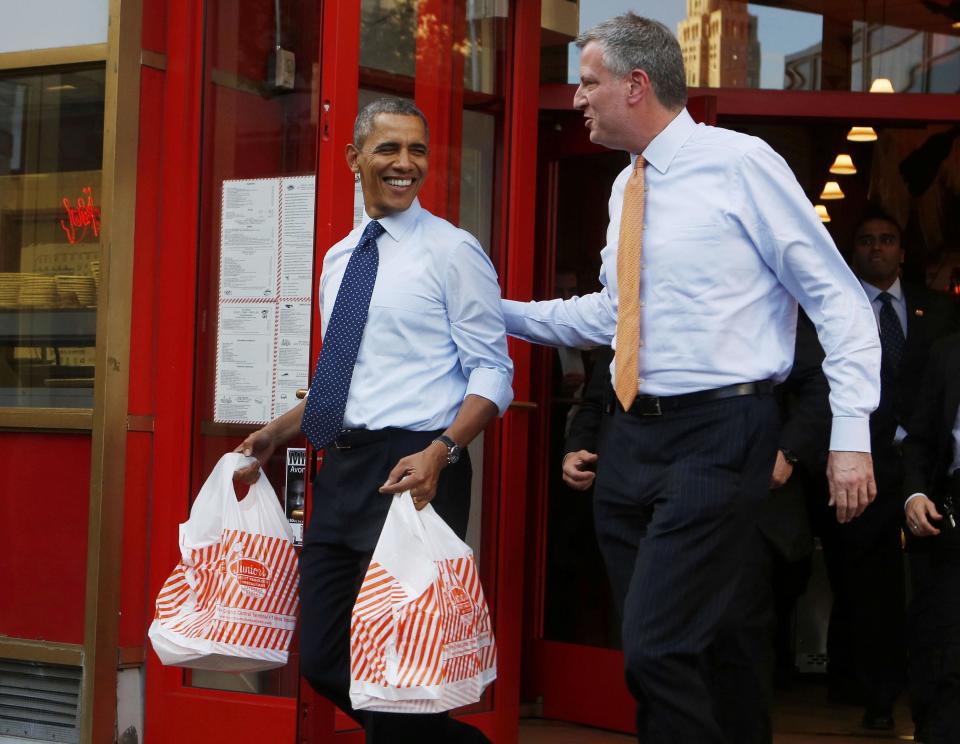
350	438
652	405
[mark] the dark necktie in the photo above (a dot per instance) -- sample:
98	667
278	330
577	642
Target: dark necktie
323	414
892	339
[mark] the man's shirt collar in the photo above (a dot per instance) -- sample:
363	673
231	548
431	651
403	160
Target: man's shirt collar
873	292
664	147
399	224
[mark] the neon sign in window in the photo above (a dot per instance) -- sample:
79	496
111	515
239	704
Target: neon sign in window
83	217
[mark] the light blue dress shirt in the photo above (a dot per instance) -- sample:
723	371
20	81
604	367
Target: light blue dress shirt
729	241
434	332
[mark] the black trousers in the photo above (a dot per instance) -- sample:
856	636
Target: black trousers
675	510
866	639
347	517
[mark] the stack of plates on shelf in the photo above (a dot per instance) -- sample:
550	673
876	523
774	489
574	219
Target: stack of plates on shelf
95	271
76	291
9	289
37	290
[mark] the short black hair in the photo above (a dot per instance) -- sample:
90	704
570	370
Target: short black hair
876	212
363	124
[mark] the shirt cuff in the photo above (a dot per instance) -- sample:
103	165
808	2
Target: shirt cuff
492	384
514	316
911	497
850	434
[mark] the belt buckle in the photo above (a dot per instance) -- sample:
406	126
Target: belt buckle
656	408
340	444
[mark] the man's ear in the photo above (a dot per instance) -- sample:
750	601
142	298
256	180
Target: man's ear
638	85
352	153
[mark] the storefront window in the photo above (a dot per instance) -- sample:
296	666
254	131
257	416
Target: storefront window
781	45
51	151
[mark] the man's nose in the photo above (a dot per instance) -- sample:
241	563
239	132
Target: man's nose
579	99
403	159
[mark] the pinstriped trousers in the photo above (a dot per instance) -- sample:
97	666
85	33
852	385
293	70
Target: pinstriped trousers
675	504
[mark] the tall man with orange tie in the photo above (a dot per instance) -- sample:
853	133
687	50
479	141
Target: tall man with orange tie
711	245
413	366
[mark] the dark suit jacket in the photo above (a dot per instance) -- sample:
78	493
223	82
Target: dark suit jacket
930	316
804	403
928	449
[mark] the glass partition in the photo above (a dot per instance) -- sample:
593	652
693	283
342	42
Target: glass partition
792	44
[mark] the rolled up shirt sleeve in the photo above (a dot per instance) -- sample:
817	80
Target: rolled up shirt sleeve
477	325
795	245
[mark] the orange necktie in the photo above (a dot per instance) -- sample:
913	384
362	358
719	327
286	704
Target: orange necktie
628	288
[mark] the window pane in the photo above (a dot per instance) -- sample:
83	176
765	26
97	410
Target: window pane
51	151
780	44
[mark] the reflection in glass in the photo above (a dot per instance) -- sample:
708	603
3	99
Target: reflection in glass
732	43
51	151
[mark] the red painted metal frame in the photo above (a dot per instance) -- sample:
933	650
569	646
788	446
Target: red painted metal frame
790	104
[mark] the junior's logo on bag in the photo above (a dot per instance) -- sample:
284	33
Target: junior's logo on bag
460	601
252	576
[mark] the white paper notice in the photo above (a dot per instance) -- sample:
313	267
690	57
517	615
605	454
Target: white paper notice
263	327
245	362
297	197
249	242
292	353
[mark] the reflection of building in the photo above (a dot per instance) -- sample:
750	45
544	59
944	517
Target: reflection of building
915	61
719	43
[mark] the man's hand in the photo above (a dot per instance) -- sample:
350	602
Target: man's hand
920	511
852	487
261	445
578	470
782	470
418	473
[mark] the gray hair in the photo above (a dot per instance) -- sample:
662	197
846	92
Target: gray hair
632	42
363	125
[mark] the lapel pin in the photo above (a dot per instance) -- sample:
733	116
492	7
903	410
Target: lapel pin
918	312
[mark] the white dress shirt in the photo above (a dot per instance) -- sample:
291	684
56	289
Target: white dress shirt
729	241
434	331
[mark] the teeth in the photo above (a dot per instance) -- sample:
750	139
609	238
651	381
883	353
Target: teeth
399	181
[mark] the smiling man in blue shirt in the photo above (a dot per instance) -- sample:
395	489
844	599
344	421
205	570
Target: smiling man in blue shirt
413	366
726	244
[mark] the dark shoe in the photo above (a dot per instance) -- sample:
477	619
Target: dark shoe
878	721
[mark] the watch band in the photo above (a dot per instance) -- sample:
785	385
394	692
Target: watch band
453	449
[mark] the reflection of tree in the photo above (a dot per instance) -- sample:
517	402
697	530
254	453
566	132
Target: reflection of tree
388	29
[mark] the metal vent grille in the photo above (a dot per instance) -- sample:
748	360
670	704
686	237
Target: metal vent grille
40	701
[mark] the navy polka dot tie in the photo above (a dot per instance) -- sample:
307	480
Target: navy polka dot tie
323	414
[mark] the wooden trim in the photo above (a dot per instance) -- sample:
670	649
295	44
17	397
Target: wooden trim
55	56
155	60
131	656
19	649
112	378
524	405
140	423
51	419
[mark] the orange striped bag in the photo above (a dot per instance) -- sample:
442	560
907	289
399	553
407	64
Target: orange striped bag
231	602
420	635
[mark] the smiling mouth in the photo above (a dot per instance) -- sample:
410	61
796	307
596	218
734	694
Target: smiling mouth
399	183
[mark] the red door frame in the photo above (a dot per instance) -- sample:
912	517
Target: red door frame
585	684
173	711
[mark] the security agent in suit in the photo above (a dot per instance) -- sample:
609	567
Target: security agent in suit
931	484
866	639
742	657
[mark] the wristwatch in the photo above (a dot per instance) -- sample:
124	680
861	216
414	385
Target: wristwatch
453	449
789	456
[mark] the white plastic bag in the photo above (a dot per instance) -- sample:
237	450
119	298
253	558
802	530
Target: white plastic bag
231	602
420	634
